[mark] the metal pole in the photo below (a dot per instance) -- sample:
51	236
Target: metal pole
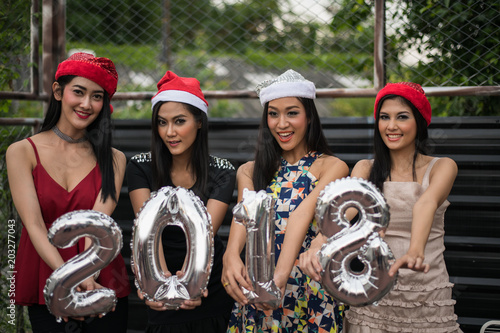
35	43
61	31
165	34
47	46
379	75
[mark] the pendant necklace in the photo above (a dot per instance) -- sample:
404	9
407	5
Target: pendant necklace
67	138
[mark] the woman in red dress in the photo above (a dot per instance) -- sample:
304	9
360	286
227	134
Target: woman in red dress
69	165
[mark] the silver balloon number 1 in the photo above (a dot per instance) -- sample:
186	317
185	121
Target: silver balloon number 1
256	212
178	207
60	293
361	242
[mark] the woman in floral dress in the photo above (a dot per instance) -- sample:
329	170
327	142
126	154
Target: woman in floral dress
292	163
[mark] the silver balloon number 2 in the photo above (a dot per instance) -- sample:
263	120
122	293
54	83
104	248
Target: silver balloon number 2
256	212
177	207
60	293
359	243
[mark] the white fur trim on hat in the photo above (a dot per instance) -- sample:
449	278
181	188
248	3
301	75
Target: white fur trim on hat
288	84
179	96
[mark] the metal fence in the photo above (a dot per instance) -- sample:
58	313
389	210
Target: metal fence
348	48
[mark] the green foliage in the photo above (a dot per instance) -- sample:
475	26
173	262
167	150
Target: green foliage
352	14
462	44
353	26
352	107
139	57
137	21
26	109
224	108
133	110
459	38
342	62
14	39
8	135
113	21
243	23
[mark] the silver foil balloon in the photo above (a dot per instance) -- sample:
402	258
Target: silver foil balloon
256	212
177	207
370	281
60	293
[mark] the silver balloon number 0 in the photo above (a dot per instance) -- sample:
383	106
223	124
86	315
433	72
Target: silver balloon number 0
359	243
60	293
256	213
177	207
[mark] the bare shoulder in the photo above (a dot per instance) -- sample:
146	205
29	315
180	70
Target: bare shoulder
329	166
362	169
445	165
119	162
119	156
244	177
20	150
329	161
246	169
447	162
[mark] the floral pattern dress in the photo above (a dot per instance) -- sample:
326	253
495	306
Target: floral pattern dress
306	307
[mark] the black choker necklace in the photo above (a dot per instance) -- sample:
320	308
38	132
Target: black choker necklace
67	138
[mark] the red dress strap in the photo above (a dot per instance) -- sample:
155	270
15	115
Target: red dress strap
36	151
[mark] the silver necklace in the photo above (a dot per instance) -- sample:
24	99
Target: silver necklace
67	138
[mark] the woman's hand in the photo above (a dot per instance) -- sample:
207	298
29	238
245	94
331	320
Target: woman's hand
411	260
189	304
157	306
281	280
308	260
234	276
87	285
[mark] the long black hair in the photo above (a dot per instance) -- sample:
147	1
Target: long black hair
381	169
162	158
268	151
99	134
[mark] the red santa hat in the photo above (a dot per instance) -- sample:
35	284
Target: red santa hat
412	92
173	88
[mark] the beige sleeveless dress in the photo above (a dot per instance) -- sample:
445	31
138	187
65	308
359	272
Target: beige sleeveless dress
419	302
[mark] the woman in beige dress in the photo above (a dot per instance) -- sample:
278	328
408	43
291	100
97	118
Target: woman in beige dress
416	187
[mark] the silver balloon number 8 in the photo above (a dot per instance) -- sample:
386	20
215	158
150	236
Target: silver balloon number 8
256	213
178	207
60	293
359	243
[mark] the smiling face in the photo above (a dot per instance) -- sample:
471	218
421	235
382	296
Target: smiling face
81	102
287	122
177	127
397	125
